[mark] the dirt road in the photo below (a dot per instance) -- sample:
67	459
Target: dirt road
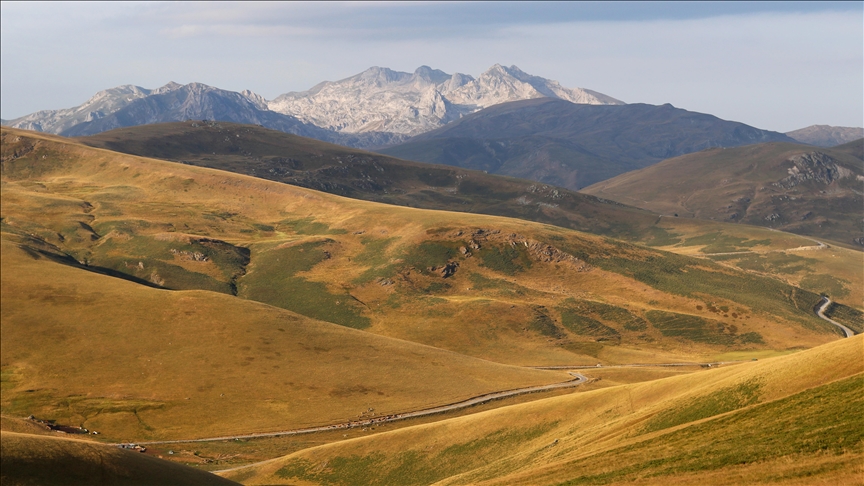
577	380
820	311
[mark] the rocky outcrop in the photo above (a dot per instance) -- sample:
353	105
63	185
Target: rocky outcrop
813	166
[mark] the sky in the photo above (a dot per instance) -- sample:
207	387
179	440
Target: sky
774	65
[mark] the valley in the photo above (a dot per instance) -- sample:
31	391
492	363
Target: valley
178	302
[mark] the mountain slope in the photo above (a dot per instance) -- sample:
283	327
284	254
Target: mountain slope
535	294
127	106
826	135
103	103
276	156
787	420
791	187
138	363
573	145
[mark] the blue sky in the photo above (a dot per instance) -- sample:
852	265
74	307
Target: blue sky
774	65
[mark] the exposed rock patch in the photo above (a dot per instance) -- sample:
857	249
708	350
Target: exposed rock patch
815	166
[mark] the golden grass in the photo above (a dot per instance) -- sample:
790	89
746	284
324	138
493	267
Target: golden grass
611	435
138	209
134	362
37	459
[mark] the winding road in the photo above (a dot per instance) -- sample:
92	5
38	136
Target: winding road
820	311
577	380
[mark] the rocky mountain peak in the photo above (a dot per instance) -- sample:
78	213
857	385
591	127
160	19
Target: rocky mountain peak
381	99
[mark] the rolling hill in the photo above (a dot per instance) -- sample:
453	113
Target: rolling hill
564	144
180	302
791	187
378	267
785	420
304	162
276	156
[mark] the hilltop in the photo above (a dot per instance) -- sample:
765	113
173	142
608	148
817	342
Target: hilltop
573	145
790	187
826	135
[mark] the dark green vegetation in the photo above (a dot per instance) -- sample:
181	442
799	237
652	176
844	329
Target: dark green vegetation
273	280
700	330
822	420
558	142
791	187
281	157
715	403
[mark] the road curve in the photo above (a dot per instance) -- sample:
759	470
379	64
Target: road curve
820	311
577	380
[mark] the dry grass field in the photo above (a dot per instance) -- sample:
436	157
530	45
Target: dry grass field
137	363
785	420
281	157
151	300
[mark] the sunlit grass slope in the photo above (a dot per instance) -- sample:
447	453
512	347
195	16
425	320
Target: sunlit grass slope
507	290
35	459
789	420
137	363
282	157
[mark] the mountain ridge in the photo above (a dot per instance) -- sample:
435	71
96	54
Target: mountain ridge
573	145
376	107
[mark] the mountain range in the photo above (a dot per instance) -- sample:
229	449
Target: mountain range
380	99
374	108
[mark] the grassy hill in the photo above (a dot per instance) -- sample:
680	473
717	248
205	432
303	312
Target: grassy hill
533	294
136	363
573	145
785	420
304	162
796	188
38	459
153	300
